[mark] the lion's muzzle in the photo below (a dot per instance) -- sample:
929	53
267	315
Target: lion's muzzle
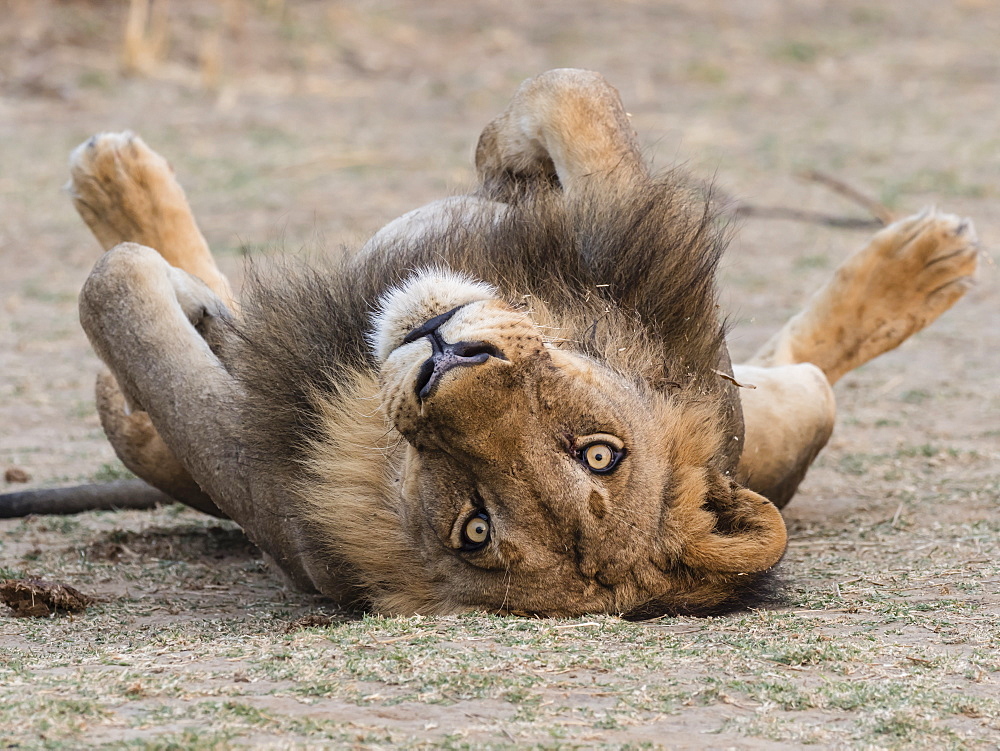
445	355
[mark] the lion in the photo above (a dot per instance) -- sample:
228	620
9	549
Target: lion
517	400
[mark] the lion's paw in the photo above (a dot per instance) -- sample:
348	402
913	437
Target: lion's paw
915	269
924	263
909	274
122	188
902	280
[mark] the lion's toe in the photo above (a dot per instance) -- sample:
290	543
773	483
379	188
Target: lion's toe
931	265
941	236
901	281
114	158
105	157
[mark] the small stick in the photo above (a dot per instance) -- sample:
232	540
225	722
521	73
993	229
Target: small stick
876	208
122	494
734	381
881	213
809	217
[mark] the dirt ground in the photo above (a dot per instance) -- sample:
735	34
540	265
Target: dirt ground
302	125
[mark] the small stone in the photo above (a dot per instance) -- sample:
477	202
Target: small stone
16	474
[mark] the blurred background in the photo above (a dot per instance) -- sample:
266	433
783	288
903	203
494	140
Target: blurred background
299	125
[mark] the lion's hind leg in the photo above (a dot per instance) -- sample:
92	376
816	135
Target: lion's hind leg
126	192
567	125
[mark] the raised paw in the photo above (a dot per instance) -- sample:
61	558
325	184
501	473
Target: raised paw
126	192
923	263
909	274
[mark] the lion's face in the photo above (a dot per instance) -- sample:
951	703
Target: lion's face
538	480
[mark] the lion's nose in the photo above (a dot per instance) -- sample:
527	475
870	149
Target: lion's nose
446	355
430	326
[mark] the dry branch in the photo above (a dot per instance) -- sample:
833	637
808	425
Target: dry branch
876	208
881	214
809	217
146	34
122	494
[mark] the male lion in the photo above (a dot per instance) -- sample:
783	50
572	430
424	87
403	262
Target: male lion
517	400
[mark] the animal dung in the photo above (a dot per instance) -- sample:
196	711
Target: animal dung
38	598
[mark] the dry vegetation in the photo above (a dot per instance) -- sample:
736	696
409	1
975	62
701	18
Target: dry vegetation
302	125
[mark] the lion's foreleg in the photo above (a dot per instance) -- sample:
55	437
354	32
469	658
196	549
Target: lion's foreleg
142	450
788	418
902	280
141	316
126	192
144	319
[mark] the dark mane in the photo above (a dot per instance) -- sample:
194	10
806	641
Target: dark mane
627	274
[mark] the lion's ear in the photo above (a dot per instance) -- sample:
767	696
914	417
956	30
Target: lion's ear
731	529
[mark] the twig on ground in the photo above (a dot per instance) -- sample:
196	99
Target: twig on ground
121	494
881	214
404	637
876	208
809	217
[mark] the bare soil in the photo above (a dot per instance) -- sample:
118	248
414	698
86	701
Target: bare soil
300	126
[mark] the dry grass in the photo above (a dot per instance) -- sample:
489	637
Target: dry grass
146	34
315	124
885	642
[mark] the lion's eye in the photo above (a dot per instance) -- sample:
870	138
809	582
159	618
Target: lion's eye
476	532
600	457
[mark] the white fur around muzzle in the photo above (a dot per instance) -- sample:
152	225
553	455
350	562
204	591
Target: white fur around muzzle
421	297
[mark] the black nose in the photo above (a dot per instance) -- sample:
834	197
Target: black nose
446	355
430	326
